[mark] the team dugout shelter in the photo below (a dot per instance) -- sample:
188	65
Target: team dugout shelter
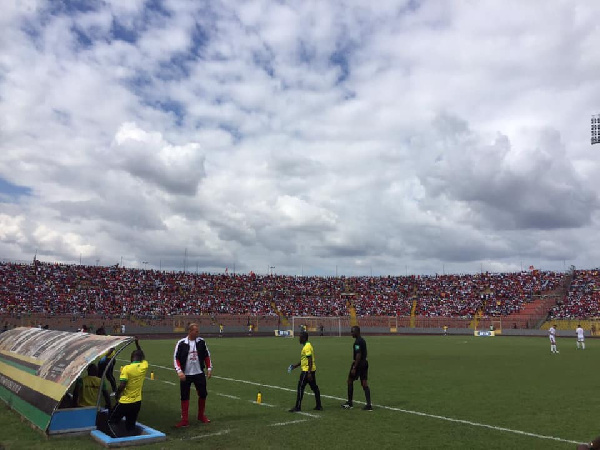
39	367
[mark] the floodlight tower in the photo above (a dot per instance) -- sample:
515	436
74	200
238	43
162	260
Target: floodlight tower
596	129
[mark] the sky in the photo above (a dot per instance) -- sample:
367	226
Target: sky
301	138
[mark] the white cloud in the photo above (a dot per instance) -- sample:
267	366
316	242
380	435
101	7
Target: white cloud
391	136
10	228
176	169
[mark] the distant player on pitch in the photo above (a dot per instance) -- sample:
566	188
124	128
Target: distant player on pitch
552	336
580	337
358	369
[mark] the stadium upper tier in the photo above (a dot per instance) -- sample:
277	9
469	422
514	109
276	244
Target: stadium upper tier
582	299
116	291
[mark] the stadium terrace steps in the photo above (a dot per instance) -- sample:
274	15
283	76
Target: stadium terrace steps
352	313
413	313
532	313
476	318
284	320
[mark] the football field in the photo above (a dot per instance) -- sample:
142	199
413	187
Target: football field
454	392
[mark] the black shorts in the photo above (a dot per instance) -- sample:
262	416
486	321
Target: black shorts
362	372
199	382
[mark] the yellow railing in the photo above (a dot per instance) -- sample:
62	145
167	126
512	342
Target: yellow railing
413	313
284	321
476	320
592	325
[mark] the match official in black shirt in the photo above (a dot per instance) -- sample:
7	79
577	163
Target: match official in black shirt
358	369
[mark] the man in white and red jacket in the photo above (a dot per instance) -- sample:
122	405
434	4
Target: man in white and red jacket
192	362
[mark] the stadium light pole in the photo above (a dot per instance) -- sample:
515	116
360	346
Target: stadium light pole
145	263
595	128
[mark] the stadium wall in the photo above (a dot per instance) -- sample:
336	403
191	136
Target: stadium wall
266	325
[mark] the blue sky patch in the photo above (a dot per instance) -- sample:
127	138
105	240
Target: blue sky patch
199	39
83	40
172	106
339	59
11	192
71	7
157	6
233	131
122	33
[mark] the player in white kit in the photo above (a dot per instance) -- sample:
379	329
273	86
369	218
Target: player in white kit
580	337
552	336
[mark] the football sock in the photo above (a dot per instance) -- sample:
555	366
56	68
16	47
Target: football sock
317	392
350	392
299	395
368	395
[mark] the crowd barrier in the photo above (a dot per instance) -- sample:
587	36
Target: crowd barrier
266	325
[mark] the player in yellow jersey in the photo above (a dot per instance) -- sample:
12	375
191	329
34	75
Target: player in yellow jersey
87	388
129	392
308	375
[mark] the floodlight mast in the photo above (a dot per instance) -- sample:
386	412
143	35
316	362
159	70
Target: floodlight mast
595	129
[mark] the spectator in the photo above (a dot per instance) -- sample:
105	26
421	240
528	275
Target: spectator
87	388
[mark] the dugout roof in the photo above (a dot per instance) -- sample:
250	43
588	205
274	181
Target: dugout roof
38	367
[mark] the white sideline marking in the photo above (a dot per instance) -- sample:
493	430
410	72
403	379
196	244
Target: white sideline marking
164	381
228	396
416	413
281	424
220	433
314	416
406	411
261	403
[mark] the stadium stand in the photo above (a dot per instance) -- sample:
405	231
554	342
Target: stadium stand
149	296
582	299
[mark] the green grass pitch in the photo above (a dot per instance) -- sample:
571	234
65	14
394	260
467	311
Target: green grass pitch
454	392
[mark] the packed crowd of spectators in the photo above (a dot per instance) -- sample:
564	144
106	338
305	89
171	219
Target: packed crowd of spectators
55	289
494	295
583	298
